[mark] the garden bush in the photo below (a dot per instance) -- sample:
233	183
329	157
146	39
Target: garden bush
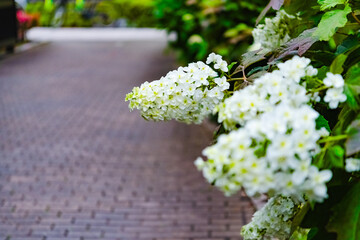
205	26
289	119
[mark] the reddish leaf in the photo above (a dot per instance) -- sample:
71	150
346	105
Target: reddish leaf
297	46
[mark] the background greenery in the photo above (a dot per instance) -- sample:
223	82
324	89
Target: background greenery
137	13
205	26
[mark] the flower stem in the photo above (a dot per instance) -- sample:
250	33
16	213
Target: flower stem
235	79
333	138
319	89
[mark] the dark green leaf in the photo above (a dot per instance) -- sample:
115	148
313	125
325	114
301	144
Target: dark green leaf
336	66
347	44
304	6
353	75
345	118
312	233
352	96
258	69
322	72
345	220
322	122
299	216
335	157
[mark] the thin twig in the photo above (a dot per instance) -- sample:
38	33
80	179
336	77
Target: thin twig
355	17
243	72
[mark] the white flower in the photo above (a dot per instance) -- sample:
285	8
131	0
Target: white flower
294	69
187	94
222	83
199	163
279	86
213	58
352	164
334	96
333	80
222	65
323	132
274	143
311	71
274	33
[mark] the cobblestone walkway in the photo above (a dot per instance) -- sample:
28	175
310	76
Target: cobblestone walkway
75	164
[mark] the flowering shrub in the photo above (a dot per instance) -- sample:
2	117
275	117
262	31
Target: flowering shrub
289	125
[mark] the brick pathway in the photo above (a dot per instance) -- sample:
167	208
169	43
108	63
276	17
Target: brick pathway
75	164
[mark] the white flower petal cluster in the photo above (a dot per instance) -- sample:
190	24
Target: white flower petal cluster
334	95
272	88
270	154
187	94
274	33
219	63
352	165
272	221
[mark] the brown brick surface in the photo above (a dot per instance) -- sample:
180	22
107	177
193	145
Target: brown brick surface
76	164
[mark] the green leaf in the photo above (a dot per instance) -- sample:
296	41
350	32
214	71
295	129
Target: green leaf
322	72
352	84
300	216
303	6
322	122
353	142
345	118
231	65
327	4
352	96
330	21
353	75
336	66
335	156
312	233
345	220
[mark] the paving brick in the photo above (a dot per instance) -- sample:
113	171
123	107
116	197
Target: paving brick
76	164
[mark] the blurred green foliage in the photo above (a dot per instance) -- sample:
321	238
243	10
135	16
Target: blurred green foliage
205	26
136	13
46	13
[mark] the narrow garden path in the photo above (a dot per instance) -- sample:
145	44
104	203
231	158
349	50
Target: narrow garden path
76	164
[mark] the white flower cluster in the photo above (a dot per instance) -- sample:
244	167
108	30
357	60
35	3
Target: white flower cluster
334	95
272	221
270	154
272	88
187	94
352	165
274	33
